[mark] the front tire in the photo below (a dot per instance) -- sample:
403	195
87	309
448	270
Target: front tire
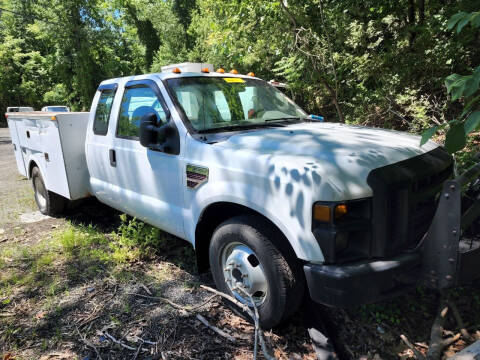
48	202
242	254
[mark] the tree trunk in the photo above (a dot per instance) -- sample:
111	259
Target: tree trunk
421	11
334	96
411	21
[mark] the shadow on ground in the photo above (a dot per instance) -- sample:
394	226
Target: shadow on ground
66	296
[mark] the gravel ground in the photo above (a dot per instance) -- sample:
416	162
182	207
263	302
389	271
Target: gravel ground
16	192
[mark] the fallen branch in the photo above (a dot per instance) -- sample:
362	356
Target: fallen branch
437	343
138	350
458	318
6	314
258	330
417	353
451	340
174	305
88	343
121	343
231	299
253	315
216	329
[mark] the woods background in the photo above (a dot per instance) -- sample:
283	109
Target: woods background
381	63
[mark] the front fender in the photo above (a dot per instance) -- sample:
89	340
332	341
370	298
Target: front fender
287	214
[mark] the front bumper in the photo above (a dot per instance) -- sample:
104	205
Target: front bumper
362	282
441	260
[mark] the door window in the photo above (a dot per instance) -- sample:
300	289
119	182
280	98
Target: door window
102	113
136	102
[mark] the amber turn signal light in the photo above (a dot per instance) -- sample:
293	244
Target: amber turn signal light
340	211
251	74
322	213
176	71
221	71
233	71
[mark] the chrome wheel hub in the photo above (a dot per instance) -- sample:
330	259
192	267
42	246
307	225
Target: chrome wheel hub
244	274
40	192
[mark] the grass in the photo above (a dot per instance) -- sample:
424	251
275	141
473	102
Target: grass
47	281
75	253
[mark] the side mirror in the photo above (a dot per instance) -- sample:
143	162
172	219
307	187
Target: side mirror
148	129
163	138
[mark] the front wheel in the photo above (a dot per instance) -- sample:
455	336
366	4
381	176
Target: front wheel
48	202
243	256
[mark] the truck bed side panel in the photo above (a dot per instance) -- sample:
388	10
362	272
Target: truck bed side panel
12	125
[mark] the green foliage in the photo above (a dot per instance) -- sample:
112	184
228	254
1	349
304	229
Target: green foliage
461	87
382	64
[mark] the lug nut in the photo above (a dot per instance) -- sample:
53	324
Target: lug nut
447	196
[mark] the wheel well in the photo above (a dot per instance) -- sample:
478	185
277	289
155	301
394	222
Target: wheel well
217	213
30	168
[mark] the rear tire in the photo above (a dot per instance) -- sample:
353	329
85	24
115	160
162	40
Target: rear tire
49	203
242	253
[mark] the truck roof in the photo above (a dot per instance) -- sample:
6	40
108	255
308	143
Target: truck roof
171	75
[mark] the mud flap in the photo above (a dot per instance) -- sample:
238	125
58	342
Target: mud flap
446	259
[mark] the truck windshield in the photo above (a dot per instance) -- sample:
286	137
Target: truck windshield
227	103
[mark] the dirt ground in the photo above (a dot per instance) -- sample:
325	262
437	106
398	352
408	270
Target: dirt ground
61	297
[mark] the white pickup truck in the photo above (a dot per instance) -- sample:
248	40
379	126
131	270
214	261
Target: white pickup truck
276	204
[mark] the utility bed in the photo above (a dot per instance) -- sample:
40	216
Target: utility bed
55	142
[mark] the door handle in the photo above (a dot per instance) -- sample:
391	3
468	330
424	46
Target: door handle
113	157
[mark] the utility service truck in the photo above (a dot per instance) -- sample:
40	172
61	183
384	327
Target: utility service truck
276	203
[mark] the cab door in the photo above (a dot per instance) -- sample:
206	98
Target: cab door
99	141
148	182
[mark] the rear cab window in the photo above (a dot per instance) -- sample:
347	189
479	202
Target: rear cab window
102	113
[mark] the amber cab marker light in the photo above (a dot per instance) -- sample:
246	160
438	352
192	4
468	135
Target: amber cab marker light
221	71
233	71
251	74
205	70
321	213
176	71
53	118
340	211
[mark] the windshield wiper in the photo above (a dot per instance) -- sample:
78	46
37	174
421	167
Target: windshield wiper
240	127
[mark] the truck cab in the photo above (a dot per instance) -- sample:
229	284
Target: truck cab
275	203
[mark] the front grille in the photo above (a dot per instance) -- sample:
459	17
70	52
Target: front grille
405	196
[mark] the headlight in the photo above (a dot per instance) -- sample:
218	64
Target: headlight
343	229
325	213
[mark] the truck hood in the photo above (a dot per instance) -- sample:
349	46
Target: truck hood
340	155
